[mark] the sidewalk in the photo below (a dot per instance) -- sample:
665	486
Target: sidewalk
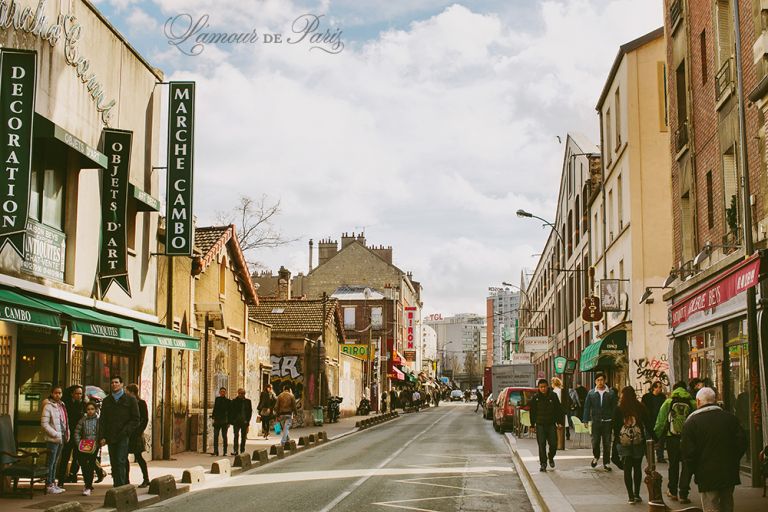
575	486
174	467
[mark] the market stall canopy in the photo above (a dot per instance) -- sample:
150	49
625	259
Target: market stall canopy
604	352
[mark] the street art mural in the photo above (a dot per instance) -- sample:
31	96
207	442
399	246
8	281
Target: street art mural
287	371
650	370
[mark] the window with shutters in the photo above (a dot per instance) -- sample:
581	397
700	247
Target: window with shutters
608	138
703	52
710	203
731	191
723	49
681	134
686	226
617	114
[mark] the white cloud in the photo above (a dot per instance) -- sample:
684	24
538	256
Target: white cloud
141	22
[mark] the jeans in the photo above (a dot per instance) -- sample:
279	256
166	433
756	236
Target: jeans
285	425
240	433
679	477
69	450
88	463
720	500
118	458
601	431
546	434
633	475
54	451
220	429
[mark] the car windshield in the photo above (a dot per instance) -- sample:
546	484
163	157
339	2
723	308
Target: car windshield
519	397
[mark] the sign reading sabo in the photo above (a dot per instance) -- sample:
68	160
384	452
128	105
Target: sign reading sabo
181	119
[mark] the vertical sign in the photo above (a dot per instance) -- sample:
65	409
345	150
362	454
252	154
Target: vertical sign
17	107
409	332
113	266
181	123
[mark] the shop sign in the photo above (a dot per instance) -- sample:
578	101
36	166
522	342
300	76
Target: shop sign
358	351
44	251
17	109
536	344
591	311
410	312
731	283
560	364
520	357
114	211
181	152
146	340
410	355
610	299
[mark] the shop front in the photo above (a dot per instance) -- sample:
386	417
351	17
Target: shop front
609	356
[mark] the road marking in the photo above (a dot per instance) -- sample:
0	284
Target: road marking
392	457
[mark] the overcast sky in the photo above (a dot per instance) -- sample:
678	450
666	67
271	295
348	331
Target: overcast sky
429	129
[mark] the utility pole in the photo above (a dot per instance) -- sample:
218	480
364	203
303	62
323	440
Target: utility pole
206	391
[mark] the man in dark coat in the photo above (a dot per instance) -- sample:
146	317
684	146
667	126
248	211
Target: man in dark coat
653	400
546	414
240	413
220	416
119	419
599	407
712	445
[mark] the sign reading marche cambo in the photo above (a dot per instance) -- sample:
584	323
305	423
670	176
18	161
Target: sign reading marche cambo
17	107
181	115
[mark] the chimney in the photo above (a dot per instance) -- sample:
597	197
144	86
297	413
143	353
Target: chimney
384	253
326	249
283	284
361	238
311	250
347	239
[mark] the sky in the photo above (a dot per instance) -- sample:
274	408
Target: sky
425	123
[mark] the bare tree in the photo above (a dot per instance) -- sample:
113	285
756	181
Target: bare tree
254	223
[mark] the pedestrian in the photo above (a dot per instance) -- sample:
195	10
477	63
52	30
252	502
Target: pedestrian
546	414
284	408
669	425
86	439
653	400
575	409
565	404
581	392
240	414
138	446
712	446
54	423
480	400
416	397
384	401
119	419
75	407
599	407
694	386
220	416
631	427
266	407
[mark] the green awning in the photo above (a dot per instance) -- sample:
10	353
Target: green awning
151	335
145	202
604	353
19	309
92	323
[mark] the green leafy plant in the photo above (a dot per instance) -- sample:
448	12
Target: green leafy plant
732	216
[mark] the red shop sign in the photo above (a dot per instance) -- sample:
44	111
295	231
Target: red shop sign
739	278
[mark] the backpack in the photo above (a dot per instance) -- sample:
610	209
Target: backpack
630	434
678	412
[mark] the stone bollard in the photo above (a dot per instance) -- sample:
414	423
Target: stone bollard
72	506
312	438
358	424
193	475
292	448
122	498
164	486
262	456
304	441
278	450
221	467
242	460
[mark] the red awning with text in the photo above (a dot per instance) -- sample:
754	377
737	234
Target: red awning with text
396	374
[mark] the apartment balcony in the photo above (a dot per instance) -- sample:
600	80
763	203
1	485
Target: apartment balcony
675	14
724	81
681	136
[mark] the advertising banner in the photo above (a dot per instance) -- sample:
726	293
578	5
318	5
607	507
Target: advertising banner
610	299
179	237
113	258
17	109
45	249
536	344
358	351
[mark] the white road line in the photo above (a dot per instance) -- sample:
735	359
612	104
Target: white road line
392	457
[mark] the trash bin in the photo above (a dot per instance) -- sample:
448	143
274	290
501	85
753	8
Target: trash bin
317	415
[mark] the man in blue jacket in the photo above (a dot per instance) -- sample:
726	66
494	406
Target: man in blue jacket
599	407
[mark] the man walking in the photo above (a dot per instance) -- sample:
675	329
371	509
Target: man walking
119	419
220	416
599	407
546	414
653	400
240	413
479	396
712	445
285	407
669	426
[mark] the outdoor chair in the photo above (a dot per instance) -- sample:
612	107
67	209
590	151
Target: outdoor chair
525	423
580	429
16	464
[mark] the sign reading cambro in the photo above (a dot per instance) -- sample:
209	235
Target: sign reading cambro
181	121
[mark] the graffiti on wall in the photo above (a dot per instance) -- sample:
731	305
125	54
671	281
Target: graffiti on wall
651	370
286	371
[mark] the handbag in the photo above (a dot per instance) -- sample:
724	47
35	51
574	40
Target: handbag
87	446
266	412
278	428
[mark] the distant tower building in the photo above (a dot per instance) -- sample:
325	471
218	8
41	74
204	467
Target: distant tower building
502	306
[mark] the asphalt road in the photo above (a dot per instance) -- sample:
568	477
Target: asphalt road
442	459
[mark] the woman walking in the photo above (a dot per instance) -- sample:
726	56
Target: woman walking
631	427
136	444
75	407
54	423
266	407
86	438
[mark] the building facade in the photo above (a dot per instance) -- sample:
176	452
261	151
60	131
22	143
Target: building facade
461	347
503	329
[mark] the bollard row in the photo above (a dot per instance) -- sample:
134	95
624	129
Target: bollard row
375	420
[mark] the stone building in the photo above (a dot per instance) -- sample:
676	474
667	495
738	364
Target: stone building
502	308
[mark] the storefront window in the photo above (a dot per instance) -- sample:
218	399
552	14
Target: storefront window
100	367
47	179
738	385
703	360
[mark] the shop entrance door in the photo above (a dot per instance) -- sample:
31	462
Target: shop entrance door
37	371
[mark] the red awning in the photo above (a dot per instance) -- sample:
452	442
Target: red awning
719	290
397	358
396	374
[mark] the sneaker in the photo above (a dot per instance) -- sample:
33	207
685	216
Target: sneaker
552	463
53	489
144	484
684	500
593	463
638	499
671	496
61	489
607	468
86	492
631	500
543	469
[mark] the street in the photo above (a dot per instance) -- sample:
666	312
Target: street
441	459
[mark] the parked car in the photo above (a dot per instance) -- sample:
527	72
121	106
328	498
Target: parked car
457	395
506	407
488	407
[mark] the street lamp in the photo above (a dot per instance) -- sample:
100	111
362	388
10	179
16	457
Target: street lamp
707	251
647	294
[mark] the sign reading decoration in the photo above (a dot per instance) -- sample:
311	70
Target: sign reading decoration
181	122
114	210
17	109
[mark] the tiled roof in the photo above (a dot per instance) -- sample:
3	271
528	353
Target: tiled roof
293	316
211	240
206	237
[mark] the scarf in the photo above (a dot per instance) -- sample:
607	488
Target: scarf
117	396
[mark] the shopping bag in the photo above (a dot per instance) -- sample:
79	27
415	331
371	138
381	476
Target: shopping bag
278	428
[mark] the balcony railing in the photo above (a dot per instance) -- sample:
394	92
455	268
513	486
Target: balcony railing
723	79
675	11
681	136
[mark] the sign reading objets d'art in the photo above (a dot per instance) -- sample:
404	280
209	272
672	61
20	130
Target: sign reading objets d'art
17	110
113	258
181	122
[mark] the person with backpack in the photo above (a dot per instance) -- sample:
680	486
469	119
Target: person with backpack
653	400
669	426
631	427
599	407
